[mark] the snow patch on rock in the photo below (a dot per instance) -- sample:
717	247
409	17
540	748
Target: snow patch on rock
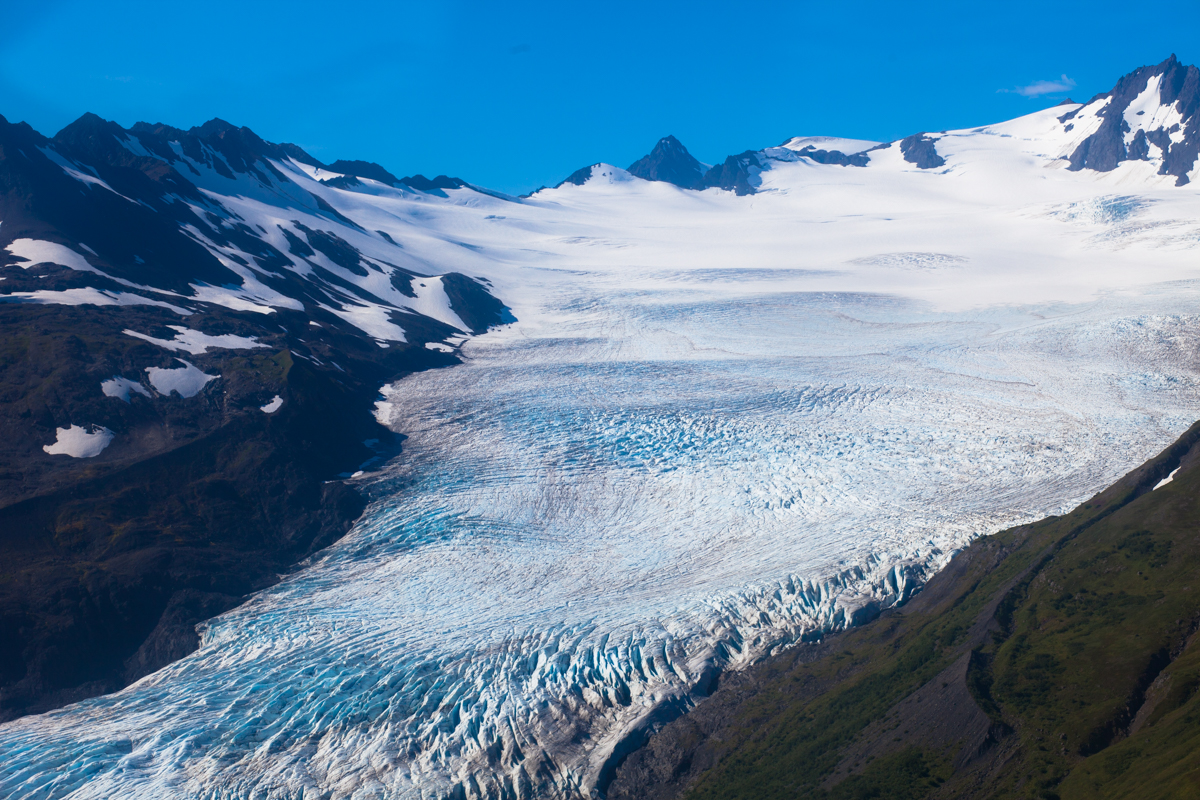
88	296
80	442
432	301
186	381
1166	480
39	251
372	319
120	388
197	343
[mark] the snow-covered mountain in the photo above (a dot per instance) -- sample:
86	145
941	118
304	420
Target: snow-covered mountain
168	298
711	418
1149	116
215	214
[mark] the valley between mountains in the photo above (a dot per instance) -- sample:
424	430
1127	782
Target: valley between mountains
320	482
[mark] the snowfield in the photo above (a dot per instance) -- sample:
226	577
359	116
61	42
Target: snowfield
187	380
196	343
80	442
721	423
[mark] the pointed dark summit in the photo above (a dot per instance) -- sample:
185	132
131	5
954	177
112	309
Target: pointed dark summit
671	162
1175	148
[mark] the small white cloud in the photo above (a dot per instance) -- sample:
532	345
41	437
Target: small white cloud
1039	88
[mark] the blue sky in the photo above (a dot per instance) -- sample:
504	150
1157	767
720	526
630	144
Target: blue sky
515	95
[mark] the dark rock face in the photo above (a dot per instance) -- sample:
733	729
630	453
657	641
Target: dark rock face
297	154
738	173
1179	86
138	242
579	177
474	304
1139	147
423	184
834	157
364	169
921	150
108	562
342	182
335	248
224	148
670	161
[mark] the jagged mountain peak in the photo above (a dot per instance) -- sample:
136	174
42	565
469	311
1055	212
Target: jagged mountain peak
157	129
87	127
671	162
89	119
670	146
1149	115
215	127
300	155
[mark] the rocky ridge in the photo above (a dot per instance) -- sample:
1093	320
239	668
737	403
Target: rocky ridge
184	386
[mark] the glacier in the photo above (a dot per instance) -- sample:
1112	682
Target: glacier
721	425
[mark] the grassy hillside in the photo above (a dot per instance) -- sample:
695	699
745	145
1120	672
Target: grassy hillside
1054	660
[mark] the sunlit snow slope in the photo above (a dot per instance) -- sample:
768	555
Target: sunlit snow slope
721	422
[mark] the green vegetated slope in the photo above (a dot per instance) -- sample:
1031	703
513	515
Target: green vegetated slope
1048	661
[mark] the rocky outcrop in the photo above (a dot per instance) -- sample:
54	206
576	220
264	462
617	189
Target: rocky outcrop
1169	133
834	157
579	177
671	162
921	149
423	184
364	169
738	173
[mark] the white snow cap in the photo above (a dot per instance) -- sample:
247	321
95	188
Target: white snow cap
79	442
273	406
